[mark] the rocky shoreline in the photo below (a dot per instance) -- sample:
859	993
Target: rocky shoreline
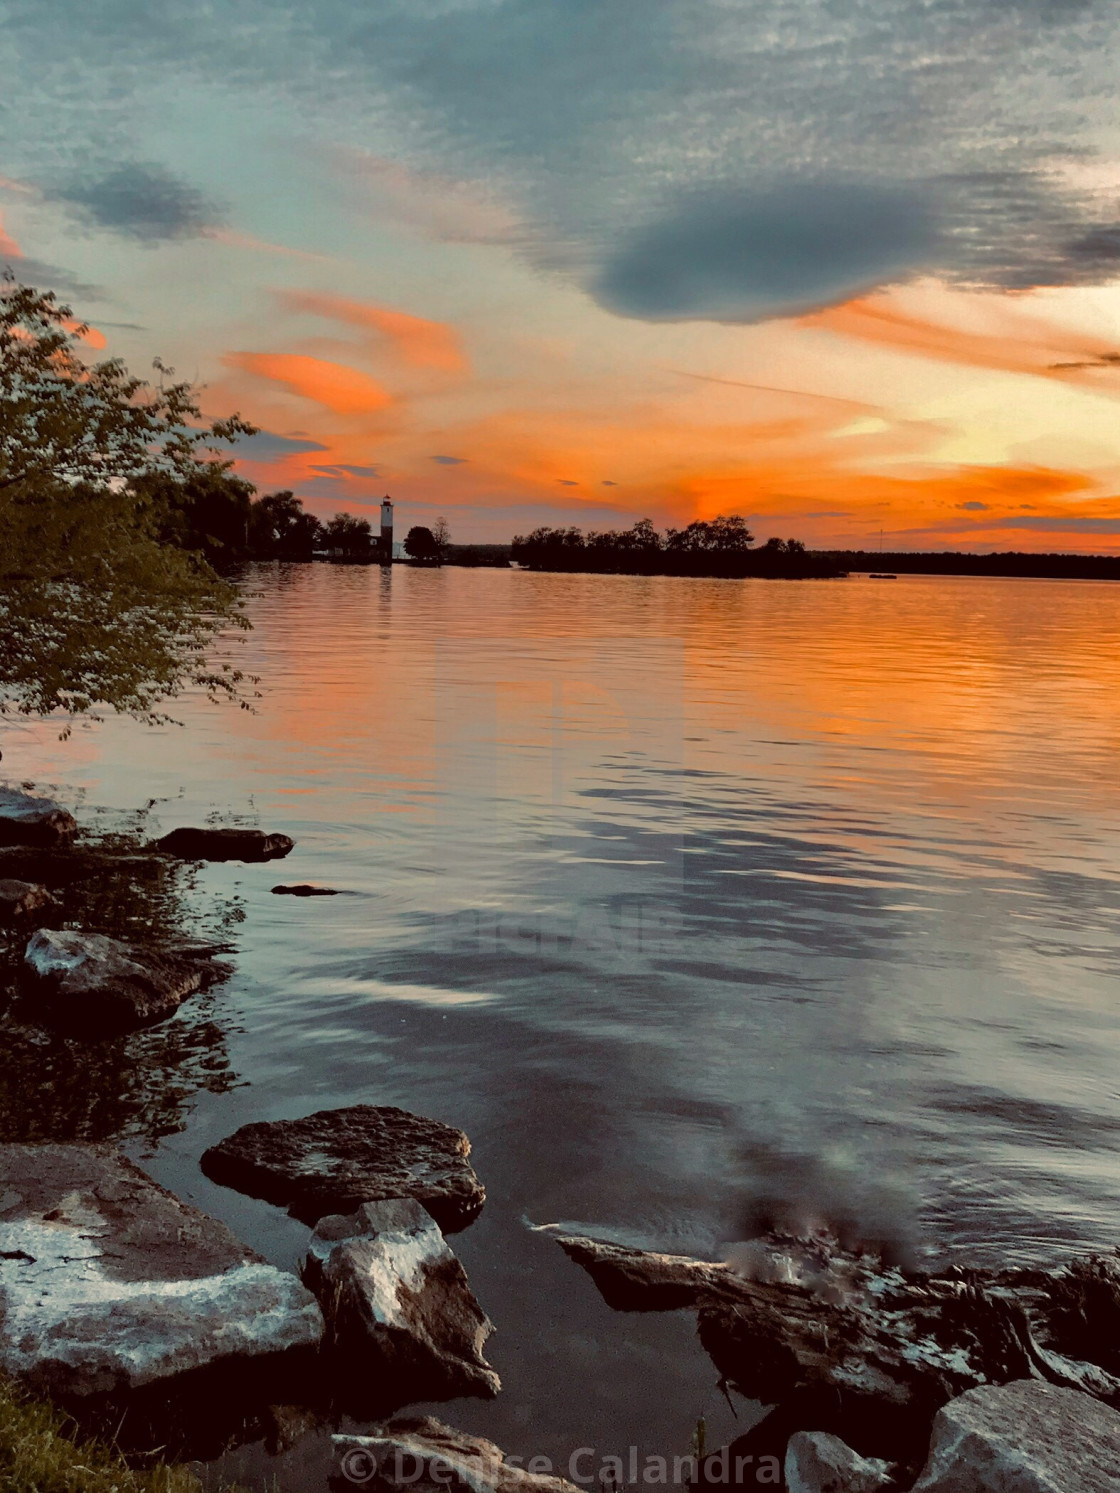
132	1309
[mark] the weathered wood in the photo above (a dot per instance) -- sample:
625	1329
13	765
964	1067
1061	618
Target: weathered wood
868	1351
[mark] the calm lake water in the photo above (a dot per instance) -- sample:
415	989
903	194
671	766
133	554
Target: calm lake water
694	903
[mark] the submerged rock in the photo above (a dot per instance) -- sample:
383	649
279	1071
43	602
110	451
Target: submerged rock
109	1283
26	819
842	1343
819	1463
304	889
1023	1438
423	1454
21	900
337	1159
399	1305
89	983
224	844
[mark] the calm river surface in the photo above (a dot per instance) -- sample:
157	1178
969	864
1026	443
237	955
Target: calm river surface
693	902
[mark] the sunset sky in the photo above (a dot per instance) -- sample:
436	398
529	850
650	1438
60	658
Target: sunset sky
839	267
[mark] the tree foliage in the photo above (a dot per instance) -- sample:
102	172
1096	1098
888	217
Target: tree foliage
421	544
97	608
720	546
349	537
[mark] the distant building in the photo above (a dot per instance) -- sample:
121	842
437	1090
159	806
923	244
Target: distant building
385	548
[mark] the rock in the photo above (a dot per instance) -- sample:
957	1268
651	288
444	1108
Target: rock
337	1159
819	1463
399	1304
225	844
285	1426
109	1283
1027	1437
26	819
56	868
423	1454
90	983
636	1280
21	900
843	1343
303	889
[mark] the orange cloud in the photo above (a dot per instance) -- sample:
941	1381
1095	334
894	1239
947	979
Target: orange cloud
8	246
90	335
1004	338
426	344
343	390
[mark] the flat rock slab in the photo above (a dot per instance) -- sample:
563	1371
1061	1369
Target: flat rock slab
423	1454
20	901
109	1283
399	1307
27	819
57	868
1027	1437
337	1159
225	844
88	983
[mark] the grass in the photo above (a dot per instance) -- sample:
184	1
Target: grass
39	1455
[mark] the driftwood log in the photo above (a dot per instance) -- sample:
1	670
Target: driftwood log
840	1342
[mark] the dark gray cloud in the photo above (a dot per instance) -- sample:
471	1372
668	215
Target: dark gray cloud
142	201
1062	525
733	255
267	446
344	470
46	276
599	121
450	461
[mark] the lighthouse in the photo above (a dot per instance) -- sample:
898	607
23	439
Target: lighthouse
386	545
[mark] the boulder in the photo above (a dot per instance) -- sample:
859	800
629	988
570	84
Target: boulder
26	819
90	983
1027	1437
21	900
421	1453
224	844
399	1306
304	889
819	1463
843	1342
337	1159
108	1283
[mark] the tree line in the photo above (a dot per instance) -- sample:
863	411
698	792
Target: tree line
722	546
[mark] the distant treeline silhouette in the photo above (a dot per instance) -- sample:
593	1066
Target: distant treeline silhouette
953	562
721	546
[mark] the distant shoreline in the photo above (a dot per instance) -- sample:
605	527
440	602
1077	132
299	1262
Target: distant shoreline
1058	567
833	563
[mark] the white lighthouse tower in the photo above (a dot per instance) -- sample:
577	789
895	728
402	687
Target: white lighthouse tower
386	546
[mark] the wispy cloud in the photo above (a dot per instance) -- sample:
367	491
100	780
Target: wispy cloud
230	239
423	343
343	390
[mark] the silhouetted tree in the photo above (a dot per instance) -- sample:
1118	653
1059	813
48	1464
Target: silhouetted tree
421	544
280	528
713	547
348	537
